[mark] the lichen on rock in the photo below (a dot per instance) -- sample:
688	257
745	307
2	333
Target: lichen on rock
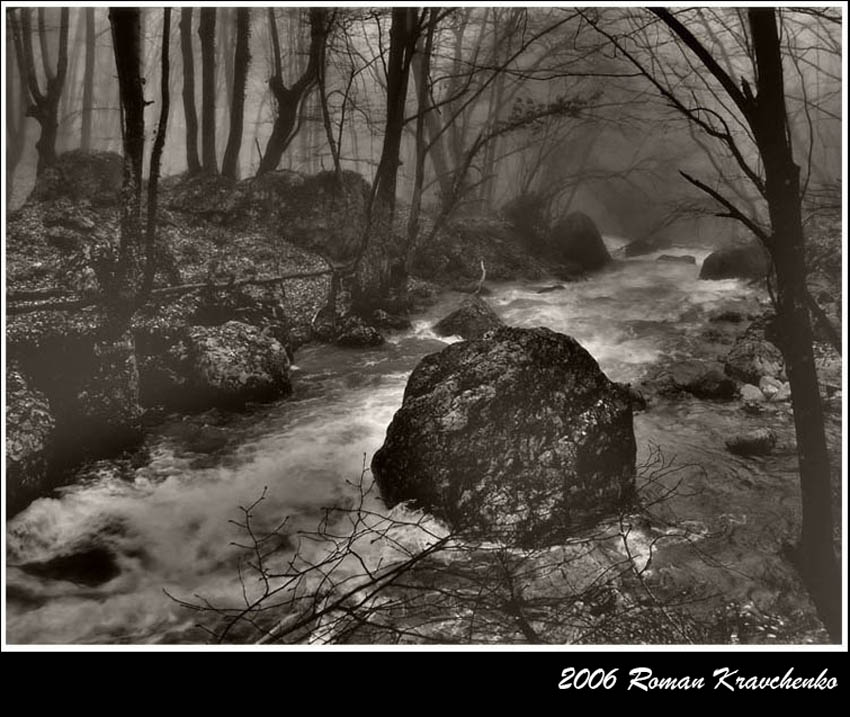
518	437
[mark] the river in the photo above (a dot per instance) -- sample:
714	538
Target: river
159	520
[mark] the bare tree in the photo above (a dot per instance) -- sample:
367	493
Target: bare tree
759	108
192	159
16	111
126	40
156	162
88	81
289	100
241	60
206	32
380	268
44	105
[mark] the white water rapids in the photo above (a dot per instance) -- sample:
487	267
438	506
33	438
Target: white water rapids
160	520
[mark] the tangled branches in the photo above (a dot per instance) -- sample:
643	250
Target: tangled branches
369	575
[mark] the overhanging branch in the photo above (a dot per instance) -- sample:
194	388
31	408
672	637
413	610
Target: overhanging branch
731	210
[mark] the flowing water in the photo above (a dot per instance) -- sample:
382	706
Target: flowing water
91	563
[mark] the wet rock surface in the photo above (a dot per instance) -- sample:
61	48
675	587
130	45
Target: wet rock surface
740	262
518	436
754	443
754	355
354	332
472	320
576	239
234	363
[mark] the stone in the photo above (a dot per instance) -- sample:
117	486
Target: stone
728	316
754	443
775	390
384	320
703	379
472	320
751	393
234	363
353	332
739	262
454	255
753	355
638	400
677	259
640	247
30	430
569	272
78	175
518	437
575	238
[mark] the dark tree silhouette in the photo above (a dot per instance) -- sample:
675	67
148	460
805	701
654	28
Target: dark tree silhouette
206	31
126	41
88	82
44	105
288	100
380	268
241	60
156	161
16	113
766	115
193	162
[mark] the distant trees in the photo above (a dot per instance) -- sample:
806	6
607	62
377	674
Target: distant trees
241	60
206	33
44	94
126	41
193	160
17	102
379	270
88	82
289	100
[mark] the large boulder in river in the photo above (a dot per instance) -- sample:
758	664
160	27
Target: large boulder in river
29	440
576	239
356	333
739	262
235	363
472	320
639	247
518	437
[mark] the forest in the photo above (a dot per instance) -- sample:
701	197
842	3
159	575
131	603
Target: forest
423	325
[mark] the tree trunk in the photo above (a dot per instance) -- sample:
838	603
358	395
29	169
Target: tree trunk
242	57
816	555
16	119
381	265
156	161
45	105
126	39
206	32
88	82
193	162
421	71
290	99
